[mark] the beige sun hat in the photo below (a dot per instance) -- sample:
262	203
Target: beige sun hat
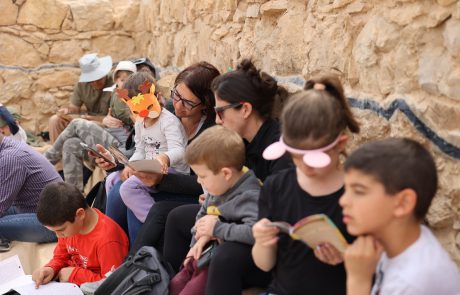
93	67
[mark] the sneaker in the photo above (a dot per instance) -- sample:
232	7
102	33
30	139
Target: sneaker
5	245
90	288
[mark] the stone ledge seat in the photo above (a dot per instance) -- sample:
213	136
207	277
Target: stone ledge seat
31	255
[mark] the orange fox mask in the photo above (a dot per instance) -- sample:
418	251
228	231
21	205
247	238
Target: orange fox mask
143	105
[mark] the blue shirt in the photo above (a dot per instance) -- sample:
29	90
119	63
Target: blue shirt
23	174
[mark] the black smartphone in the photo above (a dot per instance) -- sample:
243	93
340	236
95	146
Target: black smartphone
96	152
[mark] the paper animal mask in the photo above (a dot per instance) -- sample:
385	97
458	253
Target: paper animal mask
143	105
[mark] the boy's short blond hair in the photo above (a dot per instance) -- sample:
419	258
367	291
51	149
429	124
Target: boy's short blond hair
217	147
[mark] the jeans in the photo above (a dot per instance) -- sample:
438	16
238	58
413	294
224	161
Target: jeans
121	214
25	227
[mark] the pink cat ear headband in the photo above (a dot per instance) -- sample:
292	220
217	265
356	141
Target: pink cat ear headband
314	158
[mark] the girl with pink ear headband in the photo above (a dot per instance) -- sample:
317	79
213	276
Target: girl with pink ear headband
314	126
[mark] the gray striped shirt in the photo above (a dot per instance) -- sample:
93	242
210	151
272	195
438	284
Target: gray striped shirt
23	174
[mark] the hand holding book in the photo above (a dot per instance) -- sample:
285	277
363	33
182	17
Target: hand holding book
314	231
151	166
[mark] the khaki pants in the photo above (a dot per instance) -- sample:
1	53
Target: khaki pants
57	124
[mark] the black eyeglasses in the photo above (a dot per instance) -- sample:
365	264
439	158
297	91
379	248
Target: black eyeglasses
188	104
220	110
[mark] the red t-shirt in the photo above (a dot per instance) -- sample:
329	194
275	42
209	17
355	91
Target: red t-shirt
93	254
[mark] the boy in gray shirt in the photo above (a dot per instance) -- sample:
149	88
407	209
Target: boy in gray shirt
232	191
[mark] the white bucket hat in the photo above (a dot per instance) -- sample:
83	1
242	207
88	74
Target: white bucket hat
93	67
124	65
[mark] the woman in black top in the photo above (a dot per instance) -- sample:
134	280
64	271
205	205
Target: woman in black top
244	103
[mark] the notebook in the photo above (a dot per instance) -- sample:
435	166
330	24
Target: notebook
13	278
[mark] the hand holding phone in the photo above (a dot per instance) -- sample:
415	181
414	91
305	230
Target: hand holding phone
94	152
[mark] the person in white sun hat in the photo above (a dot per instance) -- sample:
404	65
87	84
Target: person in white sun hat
115	129
93	79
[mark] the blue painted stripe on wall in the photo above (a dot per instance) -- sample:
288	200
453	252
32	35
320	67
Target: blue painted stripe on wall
400	104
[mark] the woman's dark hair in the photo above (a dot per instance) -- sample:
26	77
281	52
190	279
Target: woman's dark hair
319	113
198	78
135	80
248	84
58	203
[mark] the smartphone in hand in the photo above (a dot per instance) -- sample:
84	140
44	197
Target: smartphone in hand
96	152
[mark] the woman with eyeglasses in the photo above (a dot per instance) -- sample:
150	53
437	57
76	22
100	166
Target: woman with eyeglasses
245	100
193	102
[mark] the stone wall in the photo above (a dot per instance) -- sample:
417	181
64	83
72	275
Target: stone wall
399	60
42	40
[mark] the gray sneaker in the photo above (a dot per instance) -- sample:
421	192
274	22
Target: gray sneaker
5	245
90	288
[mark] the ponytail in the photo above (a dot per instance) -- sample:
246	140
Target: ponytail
319	113
334	87
249	84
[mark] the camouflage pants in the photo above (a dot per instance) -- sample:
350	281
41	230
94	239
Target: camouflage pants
67	147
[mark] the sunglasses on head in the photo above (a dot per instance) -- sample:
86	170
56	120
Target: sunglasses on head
188	104
220	110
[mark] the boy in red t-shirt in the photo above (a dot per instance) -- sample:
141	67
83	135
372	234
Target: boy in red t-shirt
89	245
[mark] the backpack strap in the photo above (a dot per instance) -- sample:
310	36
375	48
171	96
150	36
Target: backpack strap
145	284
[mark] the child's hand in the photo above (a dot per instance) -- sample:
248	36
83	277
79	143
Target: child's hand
64	274
42	276
103	164
264	234
329	254
205	226
164	161
126	173
361	259
197	249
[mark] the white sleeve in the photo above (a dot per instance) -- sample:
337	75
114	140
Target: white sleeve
139	153
176	140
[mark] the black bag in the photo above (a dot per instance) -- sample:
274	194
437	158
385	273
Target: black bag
97	196
144	273
207	255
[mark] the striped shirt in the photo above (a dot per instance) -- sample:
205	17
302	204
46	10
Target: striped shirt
23	174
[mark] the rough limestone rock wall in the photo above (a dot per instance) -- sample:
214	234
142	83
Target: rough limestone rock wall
42	40
399	60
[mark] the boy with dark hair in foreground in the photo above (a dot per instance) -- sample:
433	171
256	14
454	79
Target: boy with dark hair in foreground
89	243
389	186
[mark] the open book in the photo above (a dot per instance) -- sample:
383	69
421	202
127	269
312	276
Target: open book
152	166
314	230
13	278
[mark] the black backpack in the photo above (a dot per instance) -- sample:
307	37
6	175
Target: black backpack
144	273
97	196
